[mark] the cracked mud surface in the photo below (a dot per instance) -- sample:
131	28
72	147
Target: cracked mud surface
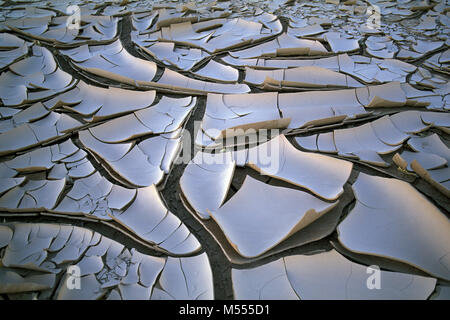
169	186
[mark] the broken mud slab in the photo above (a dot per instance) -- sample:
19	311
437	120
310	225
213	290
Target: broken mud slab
297	277
317	230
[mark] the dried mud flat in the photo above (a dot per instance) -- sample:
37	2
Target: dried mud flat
93	125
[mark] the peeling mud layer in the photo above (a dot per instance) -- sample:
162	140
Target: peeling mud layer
109	110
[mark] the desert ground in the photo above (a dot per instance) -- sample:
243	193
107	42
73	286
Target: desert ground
274	150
